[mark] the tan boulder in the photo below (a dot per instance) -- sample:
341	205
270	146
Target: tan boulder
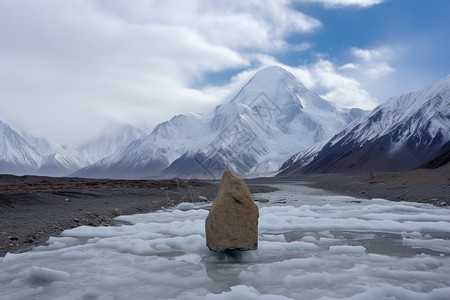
232	223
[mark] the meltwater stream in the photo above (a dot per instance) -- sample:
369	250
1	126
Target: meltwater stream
312	245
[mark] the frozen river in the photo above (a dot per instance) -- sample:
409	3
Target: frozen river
311	246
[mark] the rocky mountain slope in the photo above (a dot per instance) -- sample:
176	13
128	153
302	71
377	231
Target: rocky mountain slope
401	134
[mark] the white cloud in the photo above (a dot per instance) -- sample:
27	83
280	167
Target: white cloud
299	47
342	90
349	66
234	24
370	55
344	3
68	67
373	64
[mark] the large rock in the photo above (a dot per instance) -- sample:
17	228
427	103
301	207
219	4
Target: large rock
232	223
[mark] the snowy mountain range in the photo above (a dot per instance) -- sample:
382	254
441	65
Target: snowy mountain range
22	153
270	118
403	133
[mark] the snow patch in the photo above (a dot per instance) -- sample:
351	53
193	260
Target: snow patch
185	206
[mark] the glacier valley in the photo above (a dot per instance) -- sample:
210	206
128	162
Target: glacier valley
312	245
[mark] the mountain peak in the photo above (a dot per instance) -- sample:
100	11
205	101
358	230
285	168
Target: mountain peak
281	90
275	84
273	76
439	87
273	71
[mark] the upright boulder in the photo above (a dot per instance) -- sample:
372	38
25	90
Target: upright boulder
232	223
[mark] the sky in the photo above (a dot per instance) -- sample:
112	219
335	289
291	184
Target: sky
69	68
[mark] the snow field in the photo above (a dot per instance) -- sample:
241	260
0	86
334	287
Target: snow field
311	246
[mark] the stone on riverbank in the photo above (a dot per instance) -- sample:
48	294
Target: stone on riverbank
232	223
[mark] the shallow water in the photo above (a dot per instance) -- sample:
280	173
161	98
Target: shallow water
311	246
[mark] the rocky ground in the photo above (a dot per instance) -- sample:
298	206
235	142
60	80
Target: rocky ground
420	185
33	208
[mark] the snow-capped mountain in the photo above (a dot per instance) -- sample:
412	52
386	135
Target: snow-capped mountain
269	119
108	141
22	153
403	133
17	156
59	165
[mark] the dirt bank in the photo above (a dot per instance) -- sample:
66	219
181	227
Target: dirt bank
421	185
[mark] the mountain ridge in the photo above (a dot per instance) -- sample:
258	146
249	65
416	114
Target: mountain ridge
401	134
256	133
